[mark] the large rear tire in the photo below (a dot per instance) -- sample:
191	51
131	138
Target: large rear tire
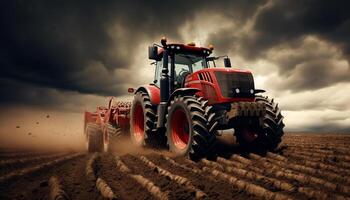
187	127
94	138
268	136
142	121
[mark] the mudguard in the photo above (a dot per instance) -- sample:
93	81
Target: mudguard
153	92
184	91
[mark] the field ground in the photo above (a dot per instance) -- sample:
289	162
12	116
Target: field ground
306	166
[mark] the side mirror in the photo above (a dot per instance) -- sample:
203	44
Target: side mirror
256	91
227	62
153	52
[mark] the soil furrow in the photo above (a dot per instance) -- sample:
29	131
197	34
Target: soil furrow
251	188
6	166
144	182
35	185
339	158
183	181
176	191
40	167
282	170
215	189
287	175
285	185
303	161
319	147
343	165
123	186
20	155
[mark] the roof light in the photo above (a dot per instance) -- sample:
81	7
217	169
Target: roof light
211	47
192	44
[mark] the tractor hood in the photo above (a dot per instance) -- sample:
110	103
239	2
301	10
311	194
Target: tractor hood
223	84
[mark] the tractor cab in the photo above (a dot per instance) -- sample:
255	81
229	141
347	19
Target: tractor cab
185	64
182	60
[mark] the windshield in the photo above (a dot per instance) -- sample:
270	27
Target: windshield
184	64
190	62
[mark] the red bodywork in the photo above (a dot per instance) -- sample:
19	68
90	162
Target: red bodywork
153	91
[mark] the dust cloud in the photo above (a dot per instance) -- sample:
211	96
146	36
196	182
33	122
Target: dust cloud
40	129
47	130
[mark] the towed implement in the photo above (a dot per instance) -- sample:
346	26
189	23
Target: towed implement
188	103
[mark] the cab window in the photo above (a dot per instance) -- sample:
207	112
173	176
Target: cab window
184	64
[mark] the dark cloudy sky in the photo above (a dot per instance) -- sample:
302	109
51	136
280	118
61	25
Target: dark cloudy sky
68	56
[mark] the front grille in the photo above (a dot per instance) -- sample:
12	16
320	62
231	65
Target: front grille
205	76
230	81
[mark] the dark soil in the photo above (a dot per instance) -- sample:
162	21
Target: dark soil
72	173
122	185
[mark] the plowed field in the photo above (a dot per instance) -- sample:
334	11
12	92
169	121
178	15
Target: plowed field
306	166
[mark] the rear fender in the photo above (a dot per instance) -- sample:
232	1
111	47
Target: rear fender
153	92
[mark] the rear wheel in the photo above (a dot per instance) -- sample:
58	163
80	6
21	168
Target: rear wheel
143	119
94	138
187	131
268	136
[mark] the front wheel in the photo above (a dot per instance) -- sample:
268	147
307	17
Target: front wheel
266	137
187	132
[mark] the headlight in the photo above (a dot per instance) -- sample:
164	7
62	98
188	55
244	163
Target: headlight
237	90
251	91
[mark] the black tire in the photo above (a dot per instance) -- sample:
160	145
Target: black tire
143	121
94	137
114	134
192	111
271	132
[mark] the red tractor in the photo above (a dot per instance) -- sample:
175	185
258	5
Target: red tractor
188	102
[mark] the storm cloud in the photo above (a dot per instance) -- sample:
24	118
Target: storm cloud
77	45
